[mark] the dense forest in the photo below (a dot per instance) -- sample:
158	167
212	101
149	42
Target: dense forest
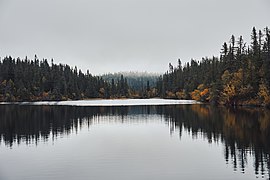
33	80
240	76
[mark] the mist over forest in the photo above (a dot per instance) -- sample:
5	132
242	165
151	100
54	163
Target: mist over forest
239	76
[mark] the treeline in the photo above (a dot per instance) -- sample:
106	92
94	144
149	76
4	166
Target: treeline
142	83
34	80
241	76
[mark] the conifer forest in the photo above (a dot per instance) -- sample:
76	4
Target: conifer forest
239	76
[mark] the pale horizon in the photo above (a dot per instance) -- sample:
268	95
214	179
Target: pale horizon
121	36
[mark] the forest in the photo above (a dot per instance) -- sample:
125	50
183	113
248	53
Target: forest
37	80
34	80
240	76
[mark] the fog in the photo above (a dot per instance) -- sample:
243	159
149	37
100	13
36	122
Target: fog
125	35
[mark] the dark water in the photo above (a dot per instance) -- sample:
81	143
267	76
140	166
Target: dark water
139	142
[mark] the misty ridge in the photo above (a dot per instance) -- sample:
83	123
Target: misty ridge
240	76
137	81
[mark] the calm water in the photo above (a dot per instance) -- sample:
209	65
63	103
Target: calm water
138	142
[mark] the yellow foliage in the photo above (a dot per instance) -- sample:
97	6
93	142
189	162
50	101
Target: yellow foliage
238	76
226	77
170	94
264	93
245	90
180	95
200	87
232	85
200	94
204	92
195	95
228	92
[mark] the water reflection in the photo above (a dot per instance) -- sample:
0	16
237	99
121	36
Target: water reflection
30	124
243	132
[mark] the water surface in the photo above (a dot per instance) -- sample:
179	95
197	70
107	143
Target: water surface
133	142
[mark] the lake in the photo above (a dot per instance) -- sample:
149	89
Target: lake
180	141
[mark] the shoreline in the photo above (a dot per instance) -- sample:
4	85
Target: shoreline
127	102
109	102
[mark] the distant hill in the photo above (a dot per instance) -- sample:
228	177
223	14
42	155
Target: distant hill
136	80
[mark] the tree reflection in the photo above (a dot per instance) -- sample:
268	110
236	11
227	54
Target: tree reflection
34	123
244	132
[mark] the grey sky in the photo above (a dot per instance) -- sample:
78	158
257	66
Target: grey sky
123	35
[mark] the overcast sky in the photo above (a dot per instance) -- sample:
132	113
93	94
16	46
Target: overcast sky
125	35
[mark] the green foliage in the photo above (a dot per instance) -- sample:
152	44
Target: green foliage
32	80
240	76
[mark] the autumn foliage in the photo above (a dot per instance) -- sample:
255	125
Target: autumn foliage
240	76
